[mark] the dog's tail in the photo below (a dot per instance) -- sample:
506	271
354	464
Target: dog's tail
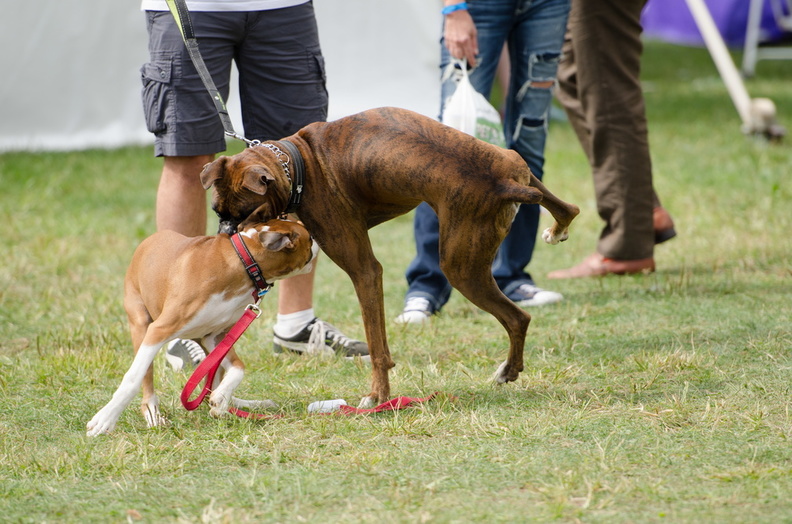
513	191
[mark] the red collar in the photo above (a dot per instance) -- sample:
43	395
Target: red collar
252	268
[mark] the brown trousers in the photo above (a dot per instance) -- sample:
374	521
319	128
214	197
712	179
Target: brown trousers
600	89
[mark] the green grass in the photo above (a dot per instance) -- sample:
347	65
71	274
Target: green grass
661	398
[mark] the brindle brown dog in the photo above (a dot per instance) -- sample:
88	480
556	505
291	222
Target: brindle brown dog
370	167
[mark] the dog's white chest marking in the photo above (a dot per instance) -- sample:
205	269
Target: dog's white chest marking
217	313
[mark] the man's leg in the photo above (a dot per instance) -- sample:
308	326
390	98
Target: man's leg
604	48
296	293
282	88
299	331
537	41
427	287
181	199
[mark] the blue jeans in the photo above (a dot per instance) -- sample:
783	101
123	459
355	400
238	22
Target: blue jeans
534	32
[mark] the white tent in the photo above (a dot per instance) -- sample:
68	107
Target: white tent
71	69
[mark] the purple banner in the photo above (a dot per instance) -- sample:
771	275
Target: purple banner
671	21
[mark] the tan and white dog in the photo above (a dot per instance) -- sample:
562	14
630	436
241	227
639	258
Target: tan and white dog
197	288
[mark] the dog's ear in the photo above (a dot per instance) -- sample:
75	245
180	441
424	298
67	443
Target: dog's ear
213	171
275	240
263	213
256	179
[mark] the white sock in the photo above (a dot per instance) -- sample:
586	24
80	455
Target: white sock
289	325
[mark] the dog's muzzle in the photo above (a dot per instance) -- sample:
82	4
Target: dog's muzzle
228	227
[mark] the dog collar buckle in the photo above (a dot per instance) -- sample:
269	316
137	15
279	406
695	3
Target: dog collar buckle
298	171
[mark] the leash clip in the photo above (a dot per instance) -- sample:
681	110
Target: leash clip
263	291
254	308
250	143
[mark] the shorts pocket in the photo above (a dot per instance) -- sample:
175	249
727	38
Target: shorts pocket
316	64
155	77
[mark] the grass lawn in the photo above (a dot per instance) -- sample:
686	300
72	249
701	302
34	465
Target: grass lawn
659	398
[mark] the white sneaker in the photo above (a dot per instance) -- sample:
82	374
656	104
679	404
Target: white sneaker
184	354
530	295
417	310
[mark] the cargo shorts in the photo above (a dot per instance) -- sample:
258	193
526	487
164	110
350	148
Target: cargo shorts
282	80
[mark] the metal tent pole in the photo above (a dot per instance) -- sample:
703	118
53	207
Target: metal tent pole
758	115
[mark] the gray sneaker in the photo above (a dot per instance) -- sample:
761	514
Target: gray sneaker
184	354
318	338
530	295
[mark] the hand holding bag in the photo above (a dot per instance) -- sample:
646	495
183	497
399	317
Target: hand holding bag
470	112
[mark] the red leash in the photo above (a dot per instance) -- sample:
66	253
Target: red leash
208	367
391	405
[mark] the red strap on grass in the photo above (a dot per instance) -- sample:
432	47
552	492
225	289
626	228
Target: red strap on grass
391	405
247	414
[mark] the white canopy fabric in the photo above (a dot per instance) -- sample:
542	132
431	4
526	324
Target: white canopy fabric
71	69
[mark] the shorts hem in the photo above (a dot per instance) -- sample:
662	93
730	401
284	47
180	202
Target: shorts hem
206	148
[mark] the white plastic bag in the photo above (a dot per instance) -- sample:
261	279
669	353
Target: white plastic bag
468	111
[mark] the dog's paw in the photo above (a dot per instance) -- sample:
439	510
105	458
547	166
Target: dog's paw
101	424
367	402
218	404
155	419
152	413
505	374
217	412
550	236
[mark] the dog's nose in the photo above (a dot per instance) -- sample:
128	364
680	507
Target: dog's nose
227	227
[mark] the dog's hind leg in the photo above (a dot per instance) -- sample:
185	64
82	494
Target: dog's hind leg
149	406
526	188
140	323
485	294
467	263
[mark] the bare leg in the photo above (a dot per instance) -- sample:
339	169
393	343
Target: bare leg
181	199
296	293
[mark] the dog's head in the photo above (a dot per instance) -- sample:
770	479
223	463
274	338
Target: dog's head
249	187
282	248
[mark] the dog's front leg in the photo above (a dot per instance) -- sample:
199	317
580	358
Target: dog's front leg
222	393
368	286
105	420
351	250
227	379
